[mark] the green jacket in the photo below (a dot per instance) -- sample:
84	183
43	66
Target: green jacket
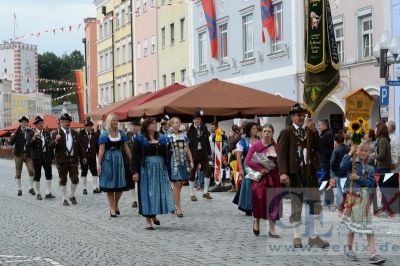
383	154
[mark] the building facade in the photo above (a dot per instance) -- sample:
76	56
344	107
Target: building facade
145	46
105	55
91	84
358	25
5	103
19	63
396	73
19	106
173	42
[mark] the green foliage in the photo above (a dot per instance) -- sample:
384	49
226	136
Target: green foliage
54	67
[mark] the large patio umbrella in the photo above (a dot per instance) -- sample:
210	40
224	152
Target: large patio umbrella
217	99
50	122
101	113
122	111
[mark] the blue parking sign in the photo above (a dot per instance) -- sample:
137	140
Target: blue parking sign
384	99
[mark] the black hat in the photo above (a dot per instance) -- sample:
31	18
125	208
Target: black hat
198	114
66	116
89	122
38	120
24	118
297	108
136	123
165	119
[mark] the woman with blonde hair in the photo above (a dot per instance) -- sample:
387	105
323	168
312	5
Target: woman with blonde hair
111	169
180	162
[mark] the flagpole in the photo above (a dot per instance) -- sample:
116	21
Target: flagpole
14	27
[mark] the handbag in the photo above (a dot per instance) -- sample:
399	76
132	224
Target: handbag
261	159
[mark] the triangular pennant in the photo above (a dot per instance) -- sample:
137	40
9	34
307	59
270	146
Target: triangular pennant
79	25
70	28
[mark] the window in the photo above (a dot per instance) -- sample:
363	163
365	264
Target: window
164	78
172	29
183	76
110	28
163	37
366	37
123	54
137	7
339	36
107	98
106	61
140	88
146	87
117	20
152	3
124	90
101	31
130	86
248	37
130	51
118	56
223	42
153	44
101	63
122	17
154	85
202	51
101	95
182	28
162	2
117	96
145	43
173	77
105	29
144	6
277	43
111	59
129	13
138	53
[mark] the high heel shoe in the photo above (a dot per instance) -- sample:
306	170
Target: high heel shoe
256	232
112	215
273	236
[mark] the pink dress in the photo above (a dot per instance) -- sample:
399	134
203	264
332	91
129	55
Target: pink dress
267	200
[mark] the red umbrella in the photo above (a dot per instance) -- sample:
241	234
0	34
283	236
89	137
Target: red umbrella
122	111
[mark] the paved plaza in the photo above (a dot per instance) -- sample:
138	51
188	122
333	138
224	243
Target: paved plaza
211	233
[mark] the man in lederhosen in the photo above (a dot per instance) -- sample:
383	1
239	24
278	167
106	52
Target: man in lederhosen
68	151
298	163
89	140
42	156
199	145
20	138
136	125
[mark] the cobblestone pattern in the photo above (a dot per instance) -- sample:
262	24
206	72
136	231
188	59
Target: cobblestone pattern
211	233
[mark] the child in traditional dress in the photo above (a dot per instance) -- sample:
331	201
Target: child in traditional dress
357	215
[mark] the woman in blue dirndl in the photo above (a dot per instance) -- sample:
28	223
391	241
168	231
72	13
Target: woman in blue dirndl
244	197
180	162
112	145
149	167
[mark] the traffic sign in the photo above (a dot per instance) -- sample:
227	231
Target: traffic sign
384	99
394	82
384	110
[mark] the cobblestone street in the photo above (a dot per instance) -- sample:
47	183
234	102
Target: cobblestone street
211	233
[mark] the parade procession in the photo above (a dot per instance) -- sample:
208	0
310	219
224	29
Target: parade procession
224	132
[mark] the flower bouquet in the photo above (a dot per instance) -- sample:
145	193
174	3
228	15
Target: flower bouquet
261	159
357	129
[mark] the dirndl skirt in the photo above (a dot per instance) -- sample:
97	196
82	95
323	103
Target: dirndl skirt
180	174
245	202
112	178
357	214
155	192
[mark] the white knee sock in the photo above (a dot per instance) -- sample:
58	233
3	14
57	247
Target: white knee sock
296	229
84	182
191	188
30	182
95	182
73	189
206	184
64	192
48	186
19	184
133	194
37	187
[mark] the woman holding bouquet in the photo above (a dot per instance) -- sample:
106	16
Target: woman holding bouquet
267	203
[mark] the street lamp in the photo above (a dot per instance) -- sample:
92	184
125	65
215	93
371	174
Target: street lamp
386	52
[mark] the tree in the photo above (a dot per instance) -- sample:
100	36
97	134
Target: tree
54	67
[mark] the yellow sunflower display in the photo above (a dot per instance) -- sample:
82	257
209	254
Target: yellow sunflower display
357	129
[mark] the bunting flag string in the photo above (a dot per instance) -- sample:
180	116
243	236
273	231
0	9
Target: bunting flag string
65	95
57	82
57	89
72	27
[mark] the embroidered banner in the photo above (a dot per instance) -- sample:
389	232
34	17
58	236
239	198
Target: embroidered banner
322	62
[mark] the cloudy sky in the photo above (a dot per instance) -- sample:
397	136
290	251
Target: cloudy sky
34	16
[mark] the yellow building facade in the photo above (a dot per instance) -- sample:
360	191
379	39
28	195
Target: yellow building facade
173	24
123	50
19	106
